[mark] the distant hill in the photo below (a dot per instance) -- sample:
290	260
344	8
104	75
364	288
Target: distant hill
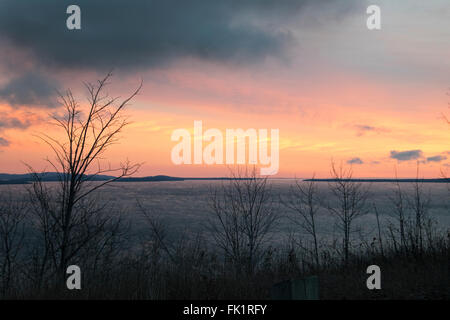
6	178
150	178
436	180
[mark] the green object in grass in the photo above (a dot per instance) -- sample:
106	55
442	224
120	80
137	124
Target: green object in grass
297	289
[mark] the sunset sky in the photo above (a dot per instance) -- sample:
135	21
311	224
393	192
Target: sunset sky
310	68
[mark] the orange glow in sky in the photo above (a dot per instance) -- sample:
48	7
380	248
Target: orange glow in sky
338	92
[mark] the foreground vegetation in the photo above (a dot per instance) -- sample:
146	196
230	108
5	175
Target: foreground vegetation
54	227
220	263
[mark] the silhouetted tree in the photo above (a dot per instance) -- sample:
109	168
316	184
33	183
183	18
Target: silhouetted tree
351	197
243	214
400	212
70	220
419	204
12	235
304	200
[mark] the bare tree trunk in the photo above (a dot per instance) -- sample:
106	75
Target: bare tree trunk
67	224
304	201
244	216
351	197
379	230
12	234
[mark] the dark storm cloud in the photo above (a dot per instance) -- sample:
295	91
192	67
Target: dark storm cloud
406	155
355	161
29	89
3	142
437	158
135	33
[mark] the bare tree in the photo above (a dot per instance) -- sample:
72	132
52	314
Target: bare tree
351	197
399	201
12	235
380	238
158	233
244	215
419	204
304	200
411	215
68	220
